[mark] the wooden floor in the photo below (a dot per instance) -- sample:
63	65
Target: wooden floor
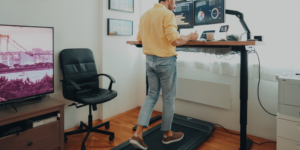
122	125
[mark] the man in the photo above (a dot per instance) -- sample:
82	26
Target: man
158	33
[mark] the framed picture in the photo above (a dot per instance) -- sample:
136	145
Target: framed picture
119	27
121	5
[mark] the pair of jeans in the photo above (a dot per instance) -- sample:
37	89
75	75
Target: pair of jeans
161	73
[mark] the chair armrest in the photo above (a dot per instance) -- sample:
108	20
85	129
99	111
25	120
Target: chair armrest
82	105
109	76
77	87
112	80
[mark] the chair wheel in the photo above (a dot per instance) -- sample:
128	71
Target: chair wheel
111	138
134	128
66	138
107	126
81	126
83	147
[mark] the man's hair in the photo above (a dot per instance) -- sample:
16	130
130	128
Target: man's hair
161	0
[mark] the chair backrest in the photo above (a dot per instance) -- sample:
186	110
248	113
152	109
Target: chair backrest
79	66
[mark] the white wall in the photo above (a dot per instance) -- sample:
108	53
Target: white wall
76	25
121	61
261	21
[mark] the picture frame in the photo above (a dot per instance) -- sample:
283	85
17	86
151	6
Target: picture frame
118	27
121	5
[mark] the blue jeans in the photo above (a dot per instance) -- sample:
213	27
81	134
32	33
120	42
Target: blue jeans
162	73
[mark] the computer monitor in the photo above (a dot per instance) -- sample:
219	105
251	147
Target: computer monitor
26	62
184	13
209	12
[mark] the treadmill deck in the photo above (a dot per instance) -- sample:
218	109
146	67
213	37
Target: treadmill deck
195	133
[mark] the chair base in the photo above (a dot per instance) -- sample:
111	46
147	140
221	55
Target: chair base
90	128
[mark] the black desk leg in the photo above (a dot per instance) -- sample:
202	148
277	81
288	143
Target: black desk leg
245	144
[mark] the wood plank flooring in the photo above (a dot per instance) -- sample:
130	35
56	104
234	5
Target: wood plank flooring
122	125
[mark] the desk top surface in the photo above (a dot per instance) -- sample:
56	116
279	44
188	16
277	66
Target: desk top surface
216	43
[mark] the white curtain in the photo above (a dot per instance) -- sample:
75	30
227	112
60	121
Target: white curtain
270	66
219	64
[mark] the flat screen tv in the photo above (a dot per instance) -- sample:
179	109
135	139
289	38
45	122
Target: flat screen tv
26	62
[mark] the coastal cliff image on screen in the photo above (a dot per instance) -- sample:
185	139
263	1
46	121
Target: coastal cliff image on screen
26	62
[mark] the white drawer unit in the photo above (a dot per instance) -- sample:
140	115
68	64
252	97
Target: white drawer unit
288	132
288	129
289	94
284	144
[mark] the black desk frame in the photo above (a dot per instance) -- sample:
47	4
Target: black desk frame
245	144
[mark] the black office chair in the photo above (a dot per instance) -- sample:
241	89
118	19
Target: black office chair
80	84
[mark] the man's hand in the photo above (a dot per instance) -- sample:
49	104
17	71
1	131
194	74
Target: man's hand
184	39
194	36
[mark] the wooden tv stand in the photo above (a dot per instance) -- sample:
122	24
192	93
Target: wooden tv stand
46	137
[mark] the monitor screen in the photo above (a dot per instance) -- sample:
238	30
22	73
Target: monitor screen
184	14
209	12
26	62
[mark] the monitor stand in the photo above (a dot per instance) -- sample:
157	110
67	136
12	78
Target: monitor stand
241	17
14	107
30	99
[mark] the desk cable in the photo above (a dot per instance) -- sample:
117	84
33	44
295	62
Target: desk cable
254	51
257	97
258	100
258	85
239	134
220	56
258	77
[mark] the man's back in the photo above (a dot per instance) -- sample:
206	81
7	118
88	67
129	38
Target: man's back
157	30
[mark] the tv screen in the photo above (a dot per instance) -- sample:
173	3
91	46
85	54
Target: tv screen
184	14
26	62
209	12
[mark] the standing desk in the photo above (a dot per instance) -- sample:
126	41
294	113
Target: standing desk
238	46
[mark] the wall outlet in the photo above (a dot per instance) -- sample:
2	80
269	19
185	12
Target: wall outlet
250	47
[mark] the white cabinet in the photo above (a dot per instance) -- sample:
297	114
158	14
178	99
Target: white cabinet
284	144
288	132
289	94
